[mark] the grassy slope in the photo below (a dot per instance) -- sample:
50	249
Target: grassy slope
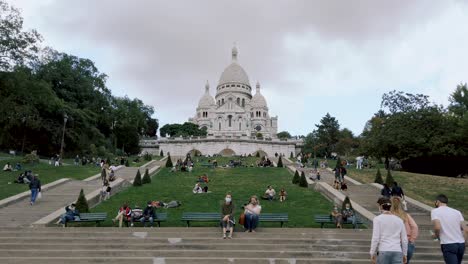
301	204
423	187
46	173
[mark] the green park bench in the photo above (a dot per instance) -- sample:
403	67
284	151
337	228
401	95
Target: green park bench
274	217
216	217
328	219
160	217
89	217
200	217
208	165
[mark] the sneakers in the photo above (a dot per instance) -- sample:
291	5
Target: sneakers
131	225
224	236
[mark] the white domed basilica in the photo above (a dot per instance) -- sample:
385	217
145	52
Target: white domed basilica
234	112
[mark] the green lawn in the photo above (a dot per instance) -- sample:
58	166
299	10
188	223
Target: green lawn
423	187
46	173
301	204
247	161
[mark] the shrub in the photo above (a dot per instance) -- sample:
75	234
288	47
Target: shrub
81	203
291	156
280	163
137	180
389	180
303	181
161	153
146	178
346	200
31	158
147	156
126	163
378	177
259	135
169	161
296	178
257	154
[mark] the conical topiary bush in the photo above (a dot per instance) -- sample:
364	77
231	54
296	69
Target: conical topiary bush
137	180
280	163
146	178
161	153
303	181
169	161
82	203
389	180
378	177
296	178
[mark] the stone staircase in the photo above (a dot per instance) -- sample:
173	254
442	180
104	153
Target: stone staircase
193	245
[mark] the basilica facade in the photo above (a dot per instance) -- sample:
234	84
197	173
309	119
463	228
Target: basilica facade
233	111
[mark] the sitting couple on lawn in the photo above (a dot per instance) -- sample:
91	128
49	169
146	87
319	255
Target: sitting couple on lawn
199	189
270	194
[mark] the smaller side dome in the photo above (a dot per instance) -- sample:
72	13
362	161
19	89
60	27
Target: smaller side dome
206	101
258	99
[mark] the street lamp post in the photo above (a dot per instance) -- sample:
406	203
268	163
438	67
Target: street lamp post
65	118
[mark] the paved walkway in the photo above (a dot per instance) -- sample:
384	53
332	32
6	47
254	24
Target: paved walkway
22	214
366	195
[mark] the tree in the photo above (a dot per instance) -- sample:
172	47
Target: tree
169	161
338	163
389	180
126	163
17	47
346	201
184	130
328	133
146	178
378	177
459	100
284	135
303	180
82	203
137	180
296	178
280	163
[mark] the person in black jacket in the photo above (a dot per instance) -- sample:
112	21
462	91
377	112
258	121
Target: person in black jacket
70	213
148	215
35	187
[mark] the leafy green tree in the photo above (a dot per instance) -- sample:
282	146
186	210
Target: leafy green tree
169	161
127	164
389	180
17	46
284	135
137	181
459	100
328	132
296	178
82	204
303	180
378	177
280	162
146	178
184	130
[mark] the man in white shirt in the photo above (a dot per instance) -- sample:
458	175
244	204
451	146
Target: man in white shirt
448	228
270	193
389	237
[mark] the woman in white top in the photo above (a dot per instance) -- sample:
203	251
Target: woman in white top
252	211
389	237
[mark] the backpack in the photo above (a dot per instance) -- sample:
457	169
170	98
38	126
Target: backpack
137	213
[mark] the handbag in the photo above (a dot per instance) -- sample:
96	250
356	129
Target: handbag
39	195
242	219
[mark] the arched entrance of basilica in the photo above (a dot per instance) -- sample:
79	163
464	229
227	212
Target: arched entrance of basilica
227	153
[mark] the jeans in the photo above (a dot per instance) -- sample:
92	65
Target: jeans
34	192
390	257
65	218
352	219
453	253
143	221
409	255
251	221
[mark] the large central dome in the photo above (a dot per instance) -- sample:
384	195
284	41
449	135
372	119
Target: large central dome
234	79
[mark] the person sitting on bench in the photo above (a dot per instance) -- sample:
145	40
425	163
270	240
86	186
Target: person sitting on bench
70	214
148	215
337	217
348	215
125	212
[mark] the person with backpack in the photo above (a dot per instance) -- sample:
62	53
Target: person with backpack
386	191
398	191
35	187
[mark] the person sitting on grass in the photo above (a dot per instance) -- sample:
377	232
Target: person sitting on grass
282	195
227	211
269	193
337	217
7	167
197	188
71	213
18	166
125	212
252	212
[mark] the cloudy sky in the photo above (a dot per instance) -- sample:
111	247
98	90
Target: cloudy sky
311	57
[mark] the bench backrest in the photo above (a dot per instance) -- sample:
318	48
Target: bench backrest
201	216
273	217
93	216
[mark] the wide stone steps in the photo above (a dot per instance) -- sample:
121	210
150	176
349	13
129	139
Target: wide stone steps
193	245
